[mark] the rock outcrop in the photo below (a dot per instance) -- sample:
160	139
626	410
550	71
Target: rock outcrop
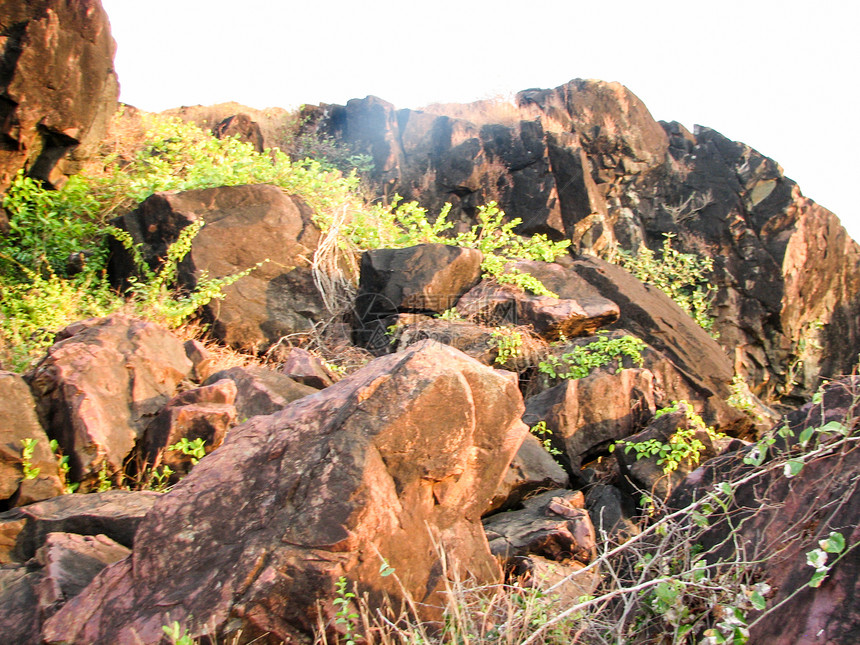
101	384
245	226
399	458
587	162
58	88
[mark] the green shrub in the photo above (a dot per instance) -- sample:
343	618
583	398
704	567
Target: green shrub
580	361
682	446
684	277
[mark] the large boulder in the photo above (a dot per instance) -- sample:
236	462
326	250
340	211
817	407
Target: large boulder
649	314
18	424
244	226
391	463
58	87
585	416
259	390
101	384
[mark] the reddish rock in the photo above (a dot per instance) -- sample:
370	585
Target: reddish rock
550	539
201	358
532	469
696	361
778	520
19	606
69	563
554	524
586	415
260	390
245	225
241	127
427	278
308	369
99	387
578	310
404	452
205	413
114	513
18	421
58	89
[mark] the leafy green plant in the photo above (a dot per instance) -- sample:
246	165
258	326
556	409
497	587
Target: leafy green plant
683	445
508	343
580	361
684	277
28	445
63	467
543	433
345	615
177	634
195	449
833	544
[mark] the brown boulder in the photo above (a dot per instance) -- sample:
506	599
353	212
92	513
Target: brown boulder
100	386
649	314
19	422
69	562
427	278
259	390
578	310
114	513
778	520
58	89
308	369
532	469
241	127
245	225
205	413
404	452
586	415
19	605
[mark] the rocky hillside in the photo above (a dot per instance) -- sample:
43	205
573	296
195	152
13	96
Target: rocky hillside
468	424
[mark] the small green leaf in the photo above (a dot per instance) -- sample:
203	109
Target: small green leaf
806	435
835	426
835	543
793	467
758	600
817	578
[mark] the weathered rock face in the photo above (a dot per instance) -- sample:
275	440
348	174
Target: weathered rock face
205	413
427	278
414	444
58	88
18	423
532	469
306	368
114	513
579	309
101	384
652	316
586	415
260	390
240	126
780	519
587	162
244	226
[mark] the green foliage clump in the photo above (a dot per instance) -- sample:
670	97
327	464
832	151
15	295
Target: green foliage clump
681	276
682	446
583	359
543	433
408	224
508	343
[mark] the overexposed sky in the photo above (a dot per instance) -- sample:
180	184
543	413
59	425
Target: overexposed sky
779	76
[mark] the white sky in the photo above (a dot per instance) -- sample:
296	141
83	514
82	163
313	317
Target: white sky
779	76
